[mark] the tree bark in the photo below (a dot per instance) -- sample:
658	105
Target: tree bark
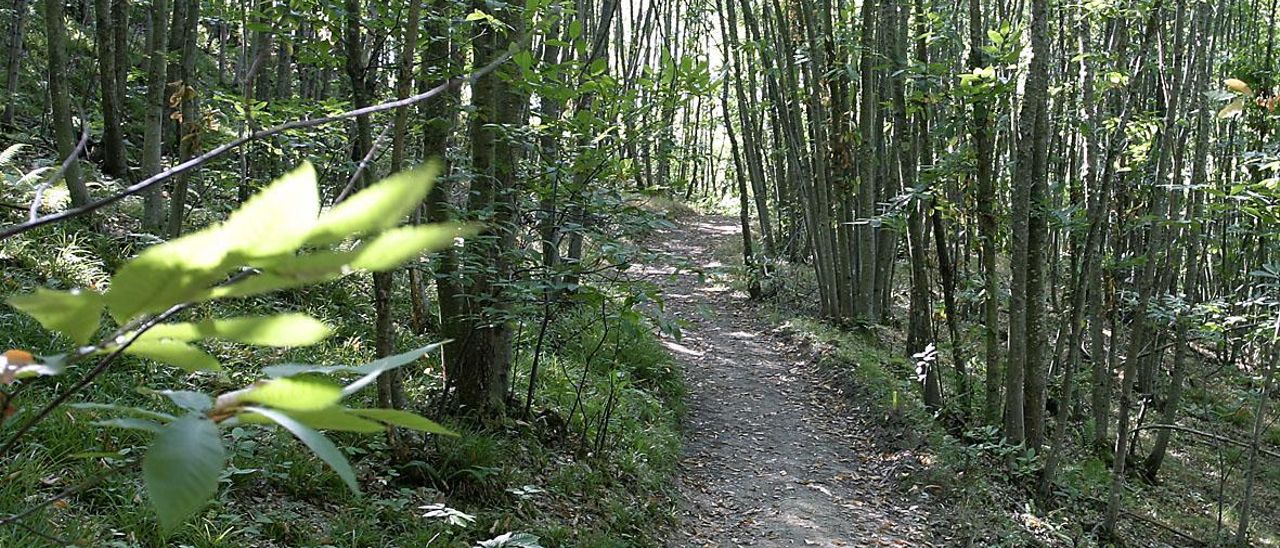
154	121
60	97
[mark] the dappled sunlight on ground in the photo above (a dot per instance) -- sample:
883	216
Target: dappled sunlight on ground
767	463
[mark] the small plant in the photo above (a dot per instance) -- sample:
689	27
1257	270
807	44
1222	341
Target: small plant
278	240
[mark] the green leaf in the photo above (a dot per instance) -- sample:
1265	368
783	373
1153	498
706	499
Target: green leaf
74	313
274	222
396	246
167	274
383	252
295	394
379	207
296	271
175	353
198	402
277	220
405	419
181	469
376	366
266	283
132	424
336	418
282	330
125	410
319	444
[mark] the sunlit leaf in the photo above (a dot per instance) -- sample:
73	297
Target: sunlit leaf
278	219
338	419
381	206
295	393
274	222
404	419
318	444
1234	108
383	252
394	247
282	330
181	469
74	313
168	274
1238	86
175	353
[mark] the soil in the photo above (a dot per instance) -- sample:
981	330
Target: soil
775	455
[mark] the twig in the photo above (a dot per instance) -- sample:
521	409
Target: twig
364	162
261	134
1209	435
51	539
1147	520
34	210
97	370
134	330
1152	522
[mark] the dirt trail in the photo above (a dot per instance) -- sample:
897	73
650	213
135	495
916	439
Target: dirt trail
773	456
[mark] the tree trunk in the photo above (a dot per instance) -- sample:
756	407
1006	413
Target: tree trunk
65	134
114	162
188	124
156	103
480	357
13	62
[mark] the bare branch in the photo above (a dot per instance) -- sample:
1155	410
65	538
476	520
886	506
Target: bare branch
34	210
373	150
262	134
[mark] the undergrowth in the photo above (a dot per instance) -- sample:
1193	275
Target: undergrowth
591	466
985	485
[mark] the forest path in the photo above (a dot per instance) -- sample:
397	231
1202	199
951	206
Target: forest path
773	455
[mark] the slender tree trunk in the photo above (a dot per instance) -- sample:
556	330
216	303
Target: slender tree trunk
64	131
985	195
156	102
114	162
481	355
13	61
189	123
867	180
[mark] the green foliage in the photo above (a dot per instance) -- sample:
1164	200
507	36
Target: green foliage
182	467
279	330
74	313
278	239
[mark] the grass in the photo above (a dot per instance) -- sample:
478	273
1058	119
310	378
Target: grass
592	467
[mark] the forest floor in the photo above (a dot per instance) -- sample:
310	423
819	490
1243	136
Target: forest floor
775	455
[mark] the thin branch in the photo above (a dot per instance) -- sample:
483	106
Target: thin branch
134	331
364	162
262	134
34	211
1209	435
97	370
51	539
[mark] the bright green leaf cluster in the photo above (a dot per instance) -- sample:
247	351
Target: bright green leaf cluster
279	239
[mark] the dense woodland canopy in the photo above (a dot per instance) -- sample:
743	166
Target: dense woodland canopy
1056	220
